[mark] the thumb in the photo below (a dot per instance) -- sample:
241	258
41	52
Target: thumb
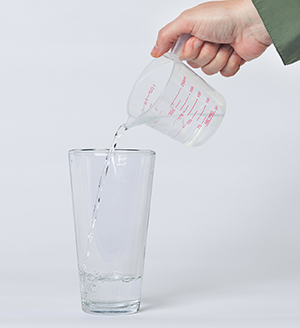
167	36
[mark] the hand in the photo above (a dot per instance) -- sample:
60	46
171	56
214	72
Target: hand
226	34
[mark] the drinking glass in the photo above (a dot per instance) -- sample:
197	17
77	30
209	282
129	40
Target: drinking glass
111	242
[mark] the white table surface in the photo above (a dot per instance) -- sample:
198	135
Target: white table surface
50	299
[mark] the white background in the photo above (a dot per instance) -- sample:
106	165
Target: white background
223	242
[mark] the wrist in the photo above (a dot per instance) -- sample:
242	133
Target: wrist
249	21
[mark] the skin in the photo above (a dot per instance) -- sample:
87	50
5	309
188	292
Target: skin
226	34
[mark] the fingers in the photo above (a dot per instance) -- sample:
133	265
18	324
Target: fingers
191	49
219	61
206	53
233	65
211	57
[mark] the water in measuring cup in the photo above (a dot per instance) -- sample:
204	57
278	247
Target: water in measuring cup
109	288
189	117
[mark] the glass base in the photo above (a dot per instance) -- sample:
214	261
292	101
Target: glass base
111	308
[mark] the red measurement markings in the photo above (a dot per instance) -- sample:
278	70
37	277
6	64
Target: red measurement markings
171	112
183	82
195	114
177	134
186	109
201	112
182	85
206	103
183	125
190	111
178	93
210	116
195	103
180	116
178	103
186	100
147	97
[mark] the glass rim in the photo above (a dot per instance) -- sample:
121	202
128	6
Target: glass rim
98	151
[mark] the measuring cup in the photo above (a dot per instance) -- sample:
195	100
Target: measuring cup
171	98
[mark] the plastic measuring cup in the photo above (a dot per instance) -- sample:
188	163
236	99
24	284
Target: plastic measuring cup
171	98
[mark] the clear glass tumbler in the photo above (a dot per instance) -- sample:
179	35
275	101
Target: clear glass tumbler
111	244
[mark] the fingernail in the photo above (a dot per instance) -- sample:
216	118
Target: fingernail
197	44
155	51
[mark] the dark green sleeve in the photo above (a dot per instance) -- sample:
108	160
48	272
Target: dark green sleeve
282	21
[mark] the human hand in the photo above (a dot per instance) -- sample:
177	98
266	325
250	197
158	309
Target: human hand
226	34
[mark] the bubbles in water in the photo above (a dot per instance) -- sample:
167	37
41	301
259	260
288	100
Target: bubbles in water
102	288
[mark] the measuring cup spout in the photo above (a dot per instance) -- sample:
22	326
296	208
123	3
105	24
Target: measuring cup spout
179	45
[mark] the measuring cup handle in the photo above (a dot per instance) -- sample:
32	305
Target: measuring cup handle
179	45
